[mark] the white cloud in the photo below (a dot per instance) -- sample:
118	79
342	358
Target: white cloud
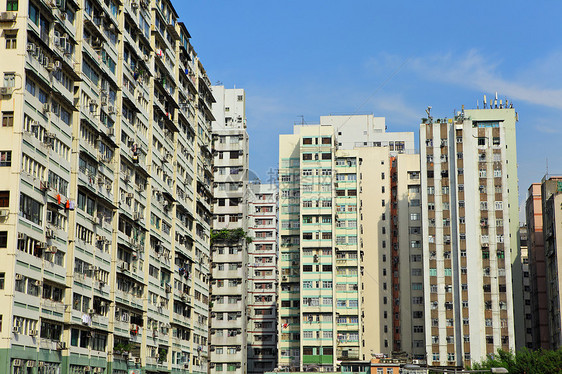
475	71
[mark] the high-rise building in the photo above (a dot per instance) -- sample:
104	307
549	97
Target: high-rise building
336	273
551	194
470	229
527	295
262	277
229	243
537	269
106	177
406	256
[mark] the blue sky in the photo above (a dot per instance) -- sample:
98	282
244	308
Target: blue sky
392	59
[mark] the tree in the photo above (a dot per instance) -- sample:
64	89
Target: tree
525	361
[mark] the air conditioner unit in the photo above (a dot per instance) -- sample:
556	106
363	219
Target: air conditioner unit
130	195
38	283
33	333
31	47
111	109
21	236
17	362
125	266
16	330
137	216
58	65
19	277
7	91
61	346
91	311
46	108
8	16
4	213
50	233
111	131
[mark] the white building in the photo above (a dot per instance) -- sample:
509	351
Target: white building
230	219
262	277
470	235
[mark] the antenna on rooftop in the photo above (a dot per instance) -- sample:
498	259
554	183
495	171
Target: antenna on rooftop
428	111
477	107
303	122
484	105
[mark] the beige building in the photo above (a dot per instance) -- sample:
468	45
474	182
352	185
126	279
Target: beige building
470	236
336	273
106	186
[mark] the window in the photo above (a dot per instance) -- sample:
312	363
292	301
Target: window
4	199
11	40
12	5
31	209
7	119
3	239
5	158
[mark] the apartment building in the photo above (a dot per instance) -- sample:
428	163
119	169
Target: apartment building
230	231
407	266
537	269
551	194
335	292
470	235
527	295
262	277
106	184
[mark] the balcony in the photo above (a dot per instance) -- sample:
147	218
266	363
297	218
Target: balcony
228	274
237	357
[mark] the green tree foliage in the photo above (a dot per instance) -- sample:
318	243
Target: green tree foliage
229	236
525	362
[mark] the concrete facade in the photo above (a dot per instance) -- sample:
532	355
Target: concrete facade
527	294
262	277
470	236
106	176
335	292
537	268
230	212
551	194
